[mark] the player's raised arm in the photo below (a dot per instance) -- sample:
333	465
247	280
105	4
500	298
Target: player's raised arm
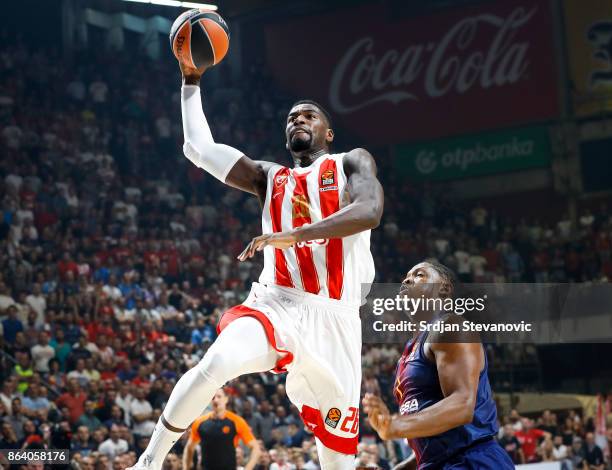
225	163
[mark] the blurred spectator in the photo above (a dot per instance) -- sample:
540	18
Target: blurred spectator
511	444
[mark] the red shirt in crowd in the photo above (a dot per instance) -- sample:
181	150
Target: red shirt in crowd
75	404
64	266
529	441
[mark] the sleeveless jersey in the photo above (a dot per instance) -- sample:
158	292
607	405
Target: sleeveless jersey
334	267
417	387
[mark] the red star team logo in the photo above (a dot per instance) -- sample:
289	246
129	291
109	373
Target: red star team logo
280	180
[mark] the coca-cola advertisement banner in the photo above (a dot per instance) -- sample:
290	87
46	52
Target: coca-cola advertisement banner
388	81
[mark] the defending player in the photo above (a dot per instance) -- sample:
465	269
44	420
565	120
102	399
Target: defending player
447	411
303	315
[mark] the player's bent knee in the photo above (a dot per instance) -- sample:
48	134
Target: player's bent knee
217	367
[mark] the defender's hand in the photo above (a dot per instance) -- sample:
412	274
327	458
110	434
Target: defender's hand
280	240
379	416
191	75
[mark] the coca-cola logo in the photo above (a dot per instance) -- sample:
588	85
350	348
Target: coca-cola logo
455	64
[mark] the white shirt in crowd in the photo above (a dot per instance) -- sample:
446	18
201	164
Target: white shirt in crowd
144	428
38	303
463	262
565	227
41	356
477	263
124	402
560	453
98	91
112	448
164	127
112	291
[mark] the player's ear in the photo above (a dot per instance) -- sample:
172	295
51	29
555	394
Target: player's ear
329	137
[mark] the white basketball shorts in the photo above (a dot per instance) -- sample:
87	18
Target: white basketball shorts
319	342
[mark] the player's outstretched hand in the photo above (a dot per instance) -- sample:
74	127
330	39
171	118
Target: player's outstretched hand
191	75
379	415
280	240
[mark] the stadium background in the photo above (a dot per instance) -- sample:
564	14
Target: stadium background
118	255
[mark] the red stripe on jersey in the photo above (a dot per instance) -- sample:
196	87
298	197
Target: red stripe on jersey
330	203
314	421
281	273
300	215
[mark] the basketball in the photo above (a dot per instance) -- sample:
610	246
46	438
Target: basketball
199	38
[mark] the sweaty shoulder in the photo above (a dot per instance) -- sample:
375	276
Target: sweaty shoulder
359	160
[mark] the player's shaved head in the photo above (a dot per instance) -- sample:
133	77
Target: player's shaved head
308	131
319	107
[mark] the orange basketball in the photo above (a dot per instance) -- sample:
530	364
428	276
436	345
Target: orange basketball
199	38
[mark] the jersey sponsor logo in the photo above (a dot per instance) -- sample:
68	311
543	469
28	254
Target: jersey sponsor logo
328	188
328	178
317	242
333	417
225	429
409	406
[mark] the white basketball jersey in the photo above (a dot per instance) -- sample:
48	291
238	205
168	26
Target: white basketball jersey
334	268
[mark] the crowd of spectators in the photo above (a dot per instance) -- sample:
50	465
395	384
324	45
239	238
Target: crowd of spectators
118	256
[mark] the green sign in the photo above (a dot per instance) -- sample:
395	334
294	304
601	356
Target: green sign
476	155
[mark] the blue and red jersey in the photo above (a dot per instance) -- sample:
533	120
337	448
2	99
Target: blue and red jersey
417	387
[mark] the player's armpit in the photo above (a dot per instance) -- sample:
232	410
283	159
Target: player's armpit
250	176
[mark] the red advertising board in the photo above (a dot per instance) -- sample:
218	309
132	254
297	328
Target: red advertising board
488	66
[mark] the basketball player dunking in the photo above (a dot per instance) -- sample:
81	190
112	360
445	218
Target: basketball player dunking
303	315
447	411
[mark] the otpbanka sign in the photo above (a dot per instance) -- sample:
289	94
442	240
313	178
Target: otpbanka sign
475	155
390	81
